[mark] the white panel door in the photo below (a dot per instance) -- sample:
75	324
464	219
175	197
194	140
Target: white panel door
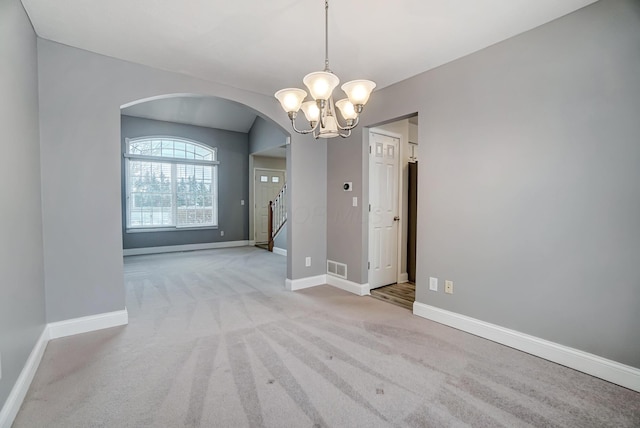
266	187
383	215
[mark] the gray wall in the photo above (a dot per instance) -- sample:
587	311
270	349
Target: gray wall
80	98
233	183
345	223
529	186
280	240
263	135
307	209
22	306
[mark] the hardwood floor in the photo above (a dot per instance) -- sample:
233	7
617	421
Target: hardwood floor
264	246
403	294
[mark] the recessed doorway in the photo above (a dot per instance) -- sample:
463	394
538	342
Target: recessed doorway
392	230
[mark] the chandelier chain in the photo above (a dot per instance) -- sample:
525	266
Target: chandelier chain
326	35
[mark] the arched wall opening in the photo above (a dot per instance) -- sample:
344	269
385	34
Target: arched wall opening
241	137
81	94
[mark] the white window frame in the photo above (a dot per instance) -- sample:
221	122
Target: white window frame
174	162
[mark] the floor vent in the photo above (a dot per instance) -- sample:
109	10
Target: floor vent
337	269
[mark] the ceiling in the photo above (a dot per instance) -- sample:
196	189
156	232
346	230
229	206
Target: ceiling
193	110
264	46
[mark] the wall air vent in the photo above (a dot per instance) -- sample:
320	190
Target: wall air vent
337	269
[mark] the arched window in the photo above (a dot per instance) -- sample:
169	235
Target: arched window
171	183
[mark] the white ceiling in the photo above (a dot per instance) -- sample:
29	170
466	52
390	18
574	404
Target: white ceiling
265	45
193	110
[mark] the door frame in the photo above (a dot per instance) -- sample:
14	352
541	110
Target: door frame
384	132
255	208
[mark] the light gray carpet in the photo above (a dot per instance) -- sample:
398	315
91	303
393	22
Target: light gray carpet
214	340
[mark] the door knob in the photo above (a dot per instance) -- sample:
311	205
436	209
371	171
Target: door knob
396	218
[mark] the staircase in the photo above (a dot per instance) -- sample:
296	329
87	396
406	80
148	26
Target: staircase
277	215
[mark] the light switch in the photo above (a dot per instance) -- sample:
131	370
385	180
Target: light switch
355	201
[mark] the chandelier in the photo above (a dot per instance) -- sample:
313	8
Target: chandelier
321	112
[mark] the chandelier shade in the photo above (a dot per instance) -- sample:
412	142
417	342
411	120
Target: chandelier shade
358	91
321	112
311	111
321	84
347	109
291	99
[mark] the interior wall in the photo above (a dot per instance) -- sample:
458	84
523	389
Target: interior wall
22	295
345	225
280	241
307	211
529	187
264	135
233	183
80	98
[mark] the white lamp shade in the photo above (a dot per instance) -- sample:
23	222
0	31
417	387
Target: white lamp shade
321	84
291	98
358	91
311	111
346	109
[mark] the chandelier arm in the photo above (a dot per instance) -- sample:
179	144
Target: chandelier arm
348	134
303	131
348	127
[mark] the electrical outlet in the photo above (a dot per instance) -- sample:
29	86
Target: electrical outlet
433	284
448	287
307	261
222	233
242	202
354	201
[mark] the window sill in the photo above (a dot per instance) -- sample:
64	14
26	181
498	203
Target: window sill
169	229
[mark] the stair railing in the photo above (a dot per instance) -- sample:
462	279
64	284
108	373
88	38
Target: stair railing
277	214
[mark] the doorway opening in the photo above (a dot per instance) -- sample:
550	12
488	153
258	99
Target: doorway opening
268	183
187	170
393	169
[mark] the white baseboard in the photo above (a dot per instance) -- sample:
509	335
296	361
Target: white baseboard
302	283
252	243
52	331
280	251
404	277
19	391
87	324
350	286
186	247
312	281
609	370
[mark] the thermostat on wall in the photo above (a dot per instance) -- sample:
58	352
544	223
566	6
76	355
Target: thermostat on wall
347	186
